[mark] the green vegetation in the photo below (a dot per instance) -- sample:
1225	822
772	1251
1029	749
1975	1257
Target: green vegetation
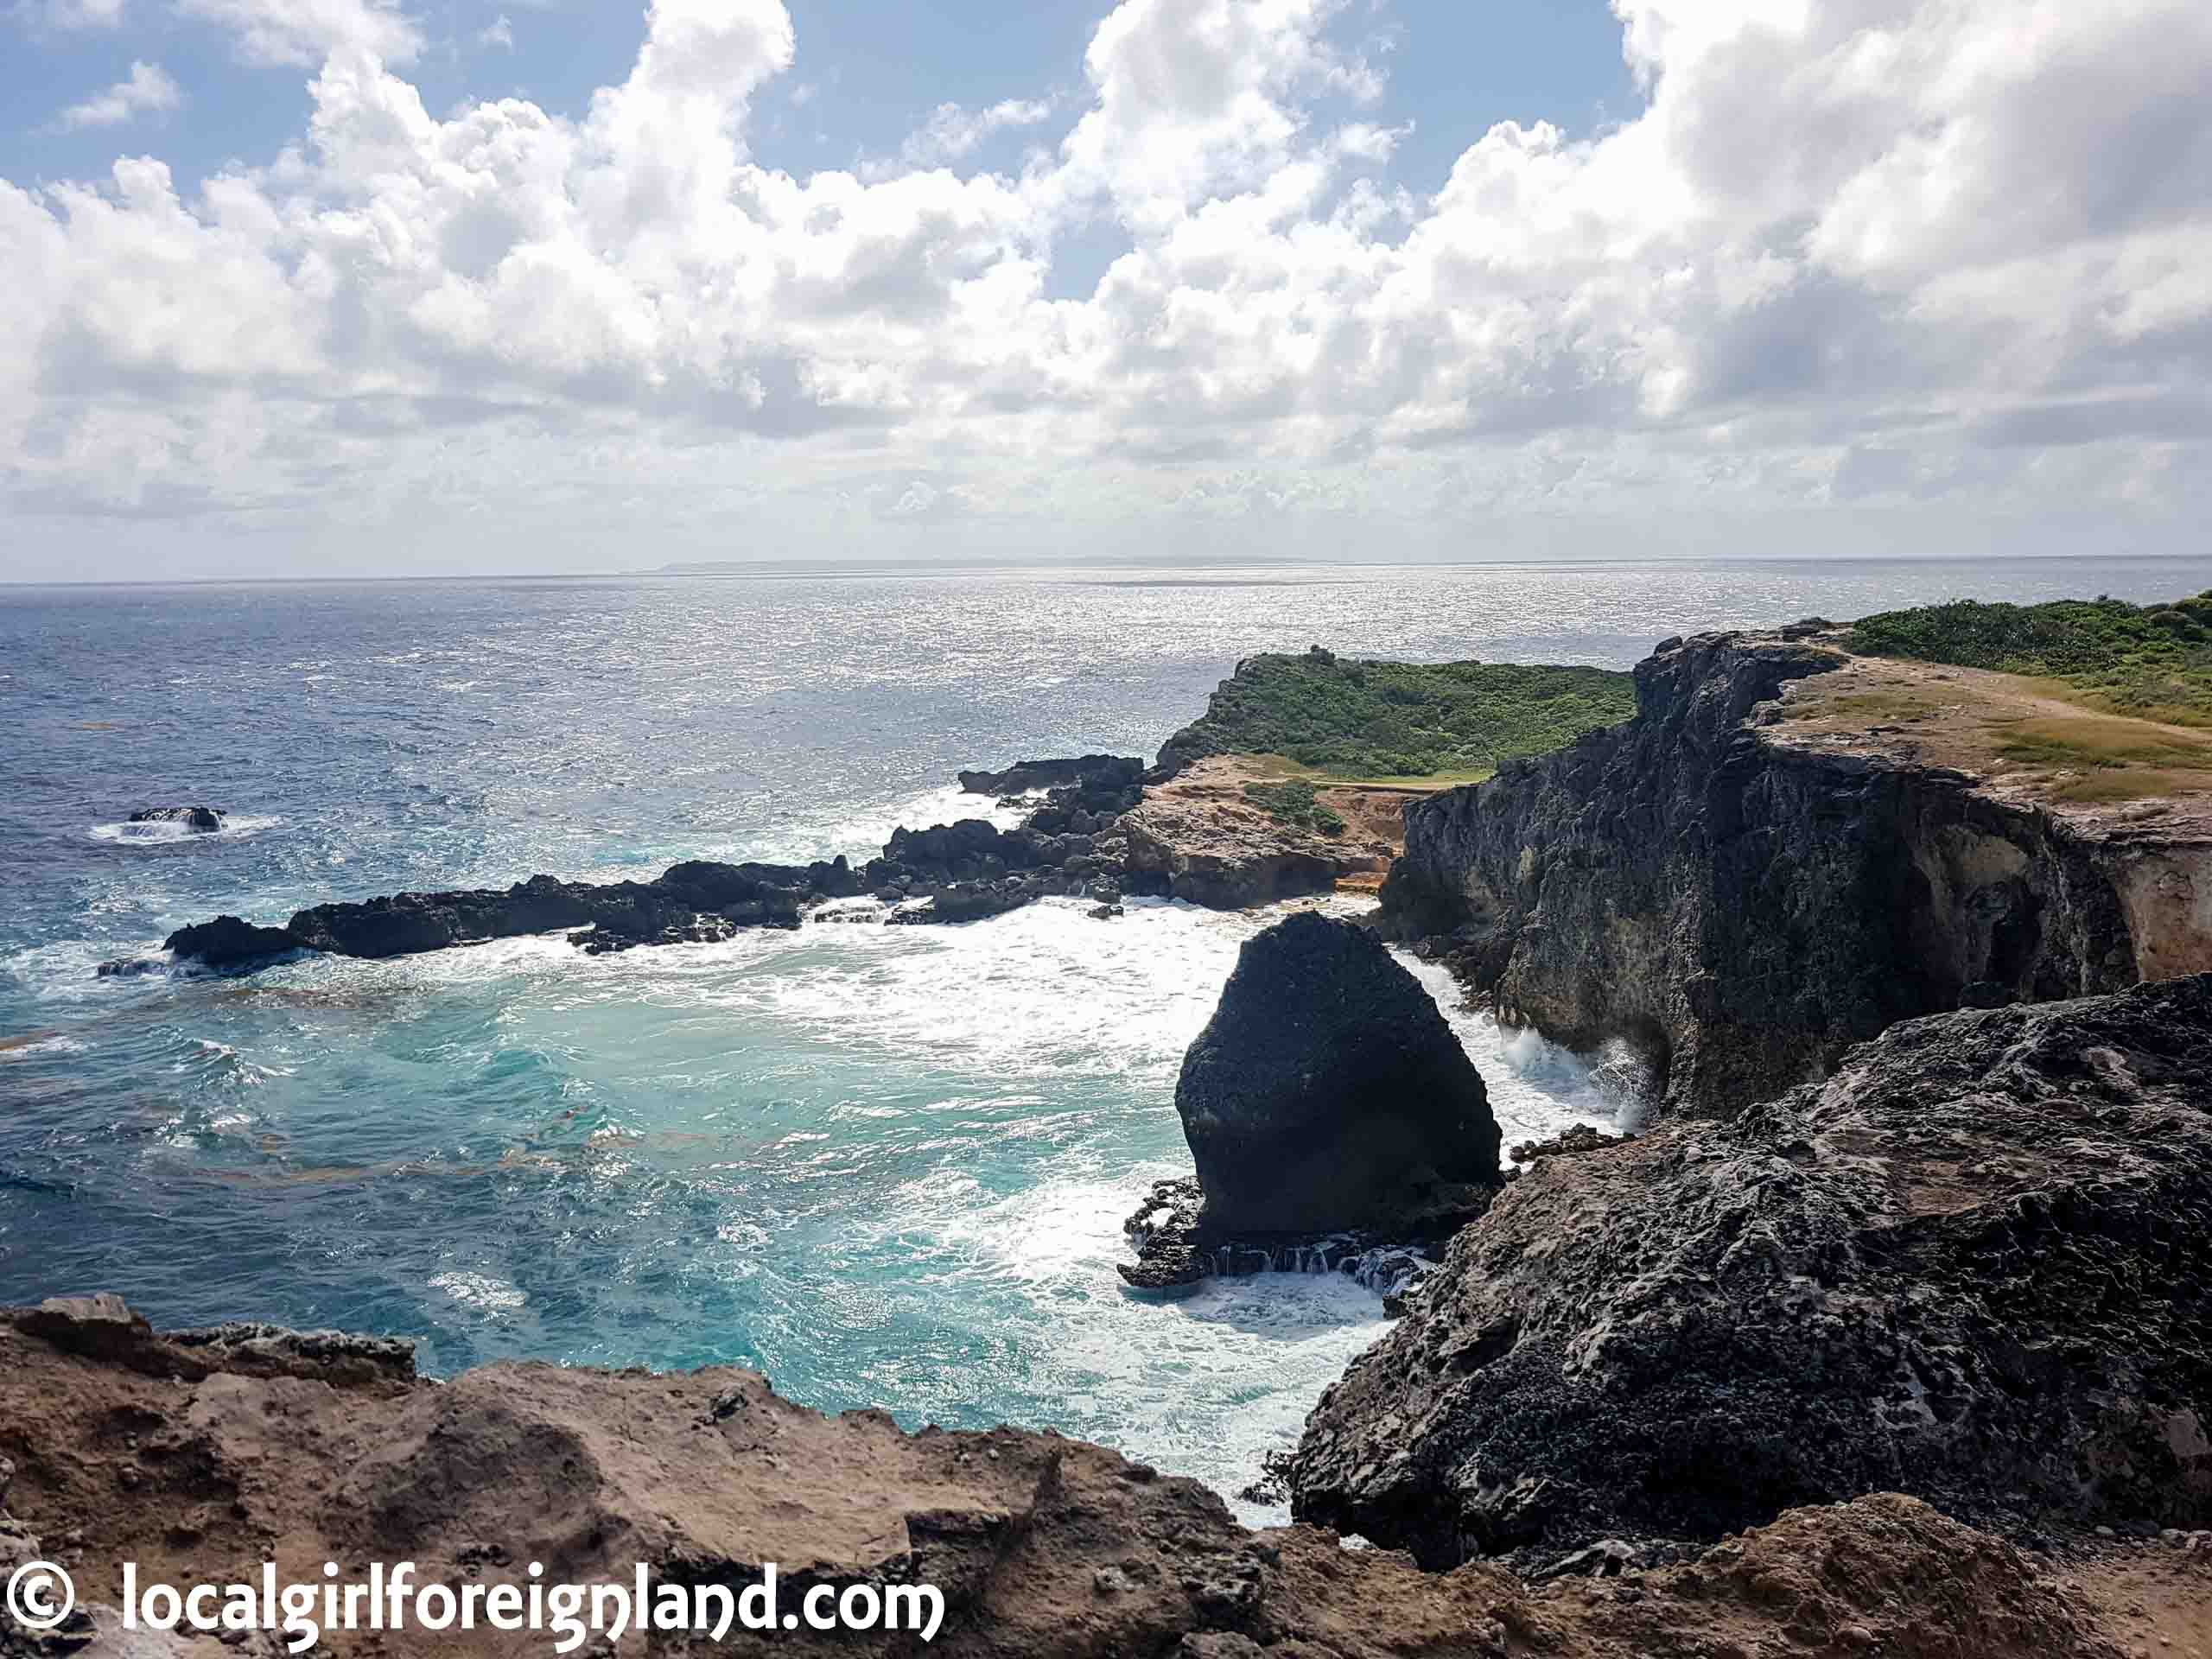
2151	661
1293	802
1377	720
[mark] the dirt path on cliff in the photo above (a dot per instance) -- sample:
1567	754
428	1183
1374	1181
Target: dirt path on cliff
2155	1601
2015	736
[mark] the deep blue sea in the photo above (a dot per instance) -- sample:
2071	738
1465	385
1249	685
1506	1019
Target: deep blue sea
887	1166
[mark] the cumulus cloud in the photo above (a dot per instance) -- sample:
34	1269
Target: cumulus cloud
1851	254
303	32
148	90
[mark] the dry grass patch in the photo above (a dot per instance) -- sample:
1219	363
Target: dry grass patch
2103	743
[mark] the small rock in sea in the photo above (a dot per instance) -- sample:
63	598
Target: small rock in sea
201	820
1105	913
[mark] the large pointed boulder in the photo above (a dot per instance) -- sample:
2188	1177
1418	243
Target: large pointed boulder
1327	1092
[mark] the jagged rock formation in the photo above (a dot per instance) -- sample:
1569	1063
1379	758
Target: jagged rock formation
199	1456
1097	772
202	820
1743	906
1974	1265
1327	1095
229	940
964	871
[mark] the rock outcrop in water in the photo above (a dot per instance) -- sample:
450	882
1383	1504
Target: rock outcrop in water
1327	1091
690	901
1974	1265
198	1456
1327	1095
1095	773
229	941
203	820
1742	907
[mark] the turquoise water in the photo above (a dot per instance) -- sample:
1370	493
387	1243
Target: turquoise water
886	1166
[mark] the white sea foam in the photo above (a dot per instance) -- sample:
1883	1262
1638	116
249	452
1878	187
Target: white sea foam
43	1046
237	826
480	1291
861	834
1537	1090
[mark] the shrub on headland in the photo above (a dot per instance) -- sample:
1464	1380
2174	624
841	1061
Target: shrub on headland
2150	660
1374	719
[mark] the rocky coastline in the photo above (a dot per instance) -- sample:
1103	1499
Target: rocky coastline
1891	1334
1974	1265
198	1455
1742	904
1098	826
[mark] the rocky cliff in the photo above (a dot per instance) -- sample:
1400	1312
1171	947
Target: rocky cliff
1743	899
1974	1265
201	1455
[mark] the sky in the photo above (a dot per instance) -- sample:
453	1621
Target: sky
379	287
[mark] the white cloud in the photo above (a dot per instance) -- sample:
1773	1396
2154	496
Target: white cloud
1943	258
498	32
303	32
953	132
147	91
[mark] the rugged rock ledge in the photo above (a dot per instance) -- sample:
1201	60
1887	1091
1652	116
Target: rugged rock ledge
201	1455
1974	1265
1199	835
959	871
1742	907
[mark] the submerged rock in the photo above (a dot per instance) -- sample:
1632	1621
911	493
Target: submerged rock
1327	1091
1974	1265
205	820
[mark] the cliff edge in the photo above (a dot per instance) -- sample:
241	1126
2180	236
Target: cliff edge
1790	848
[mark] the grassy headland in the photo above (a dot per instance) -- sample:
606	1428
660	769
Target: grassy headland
2085	702
2151	661
1399	723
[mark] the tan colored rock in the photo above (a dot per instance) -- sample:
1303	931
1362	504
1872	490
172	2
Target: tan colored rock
1043	1547
1216	846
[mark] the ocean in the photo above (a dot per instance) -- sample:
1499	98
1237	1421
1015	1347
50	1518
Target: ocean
886	1166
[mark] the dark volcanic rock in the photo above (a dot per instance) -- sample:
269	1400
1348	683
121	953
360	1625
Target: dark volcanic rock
692	901
974	901
229	941
204	819
695	901
1740	910
1327	1092
1975	1265
1091	770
